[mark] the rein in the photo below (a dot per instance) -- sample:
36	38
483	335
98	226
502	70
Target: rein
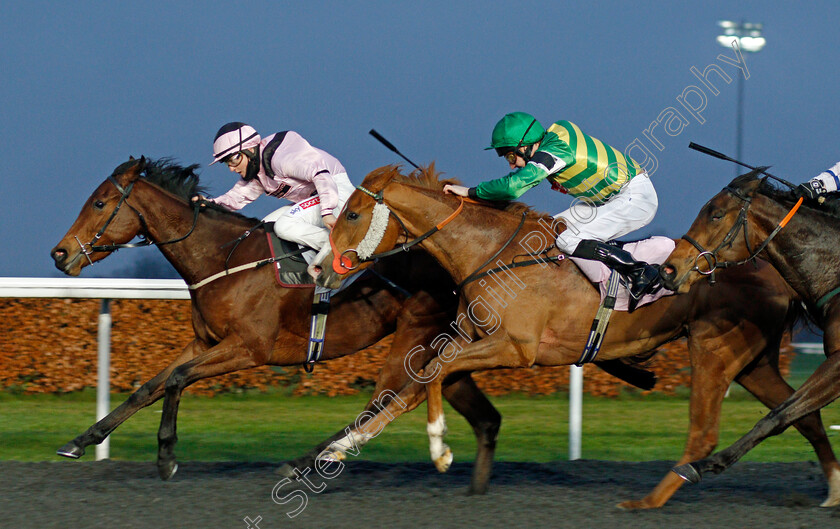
711	257
342	264
89	248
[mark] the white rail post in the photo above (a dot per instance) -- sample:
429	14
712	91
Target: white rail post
575	410
103	386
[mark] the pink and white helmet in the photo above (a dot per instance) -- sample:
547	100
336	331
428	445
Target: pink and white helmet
233	138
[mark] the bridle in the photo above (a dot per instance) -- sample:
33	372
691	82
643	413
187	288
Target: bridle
90	247
342	264
711	257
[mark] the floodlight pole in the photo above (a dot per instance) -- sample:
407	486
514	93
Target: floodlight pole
749	38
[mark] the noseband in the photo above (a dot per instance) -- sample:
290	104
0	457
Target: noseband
376	231
89	248
711	257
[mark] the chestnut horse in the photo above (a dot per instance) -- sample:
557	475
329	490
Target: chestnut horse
541	314
246	319
805	253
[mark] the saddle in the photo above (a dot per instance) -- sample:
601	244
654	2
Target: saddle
654	250
290	266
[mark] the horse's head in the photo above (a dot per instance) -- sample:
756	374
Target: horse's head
361	231
364	229
106	218
713	238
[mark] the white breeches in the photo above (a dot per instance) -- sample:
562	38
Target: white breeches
632	208
302	222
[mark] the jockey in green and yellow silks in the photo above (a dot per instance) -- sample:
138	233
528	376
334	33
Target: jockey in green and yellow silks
618	194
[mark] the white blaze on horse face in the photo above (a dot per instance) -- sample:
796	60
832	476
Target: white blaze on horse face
375	233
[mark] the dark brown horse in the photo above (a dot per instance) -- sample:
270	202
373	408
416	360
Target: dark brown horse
805	253
246	319
541	315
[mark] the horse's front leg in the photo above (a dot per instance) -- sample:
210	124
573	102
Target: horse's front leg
436	427
419	323
229	355
491	352
370	424
819	390
147	394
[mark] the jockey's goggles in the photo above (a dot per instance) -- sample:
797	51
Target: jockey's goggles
234	159
509	154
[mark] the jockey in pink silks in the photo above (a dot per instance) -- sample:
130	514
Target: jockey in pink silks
284	165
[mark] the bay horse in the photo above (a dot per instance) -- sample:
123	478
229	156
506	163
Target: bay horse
541	314
246	319
804	252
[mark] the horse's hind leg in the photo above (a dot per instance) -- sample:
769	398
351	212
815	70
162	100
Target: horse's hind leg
227	356
147	394
468	400
764	381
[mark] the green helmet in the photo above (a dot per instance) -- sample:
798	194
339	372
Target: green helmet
516	129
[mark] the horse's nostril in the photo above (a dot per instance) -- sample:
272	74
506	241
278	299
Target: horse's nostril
59	255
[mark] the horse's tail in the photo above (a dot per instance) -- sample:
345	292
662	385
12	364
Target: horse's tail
630	371
798	314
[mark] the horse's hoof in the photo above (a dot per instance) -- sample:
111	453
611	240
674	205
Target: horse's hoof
287	471
443	462
167	470
688	472
833	499
71	450
633	505
477	491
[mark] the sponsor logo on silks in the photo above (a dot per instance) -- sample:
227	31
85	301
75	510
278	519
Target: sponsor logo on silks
306	204
309	203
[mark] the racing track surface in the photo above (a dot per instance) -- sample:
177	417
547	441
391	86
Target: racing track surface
580	494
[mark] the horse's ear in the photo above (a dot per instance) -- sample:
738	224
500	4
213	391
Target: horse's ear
376	180
133	172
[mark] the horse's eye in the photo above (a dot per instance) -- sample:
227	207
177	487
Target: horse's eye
99	204
352	215
717	215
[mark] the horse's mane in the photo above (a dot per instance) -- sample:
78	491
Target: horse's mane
178	180
429	178
787	196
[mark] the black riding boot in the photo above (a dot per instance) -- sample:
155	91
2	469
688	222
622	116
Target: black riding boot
641	277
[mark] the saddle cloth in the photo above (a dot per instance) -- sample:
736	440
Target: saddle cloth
653	250
290	272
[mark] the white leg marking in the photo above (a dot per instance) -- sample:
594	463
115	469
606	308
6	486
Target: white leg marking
350	443
833	490
441	454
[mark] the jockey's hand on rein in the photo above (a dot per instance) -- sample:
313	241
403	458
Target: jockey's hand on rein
807	191
198	198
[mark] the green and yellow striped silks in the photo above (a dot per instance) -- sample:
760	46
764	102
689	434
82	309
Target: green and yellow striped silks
594	170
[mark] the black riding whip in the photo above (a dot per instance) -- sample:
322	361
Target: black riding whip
391	146
712	152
